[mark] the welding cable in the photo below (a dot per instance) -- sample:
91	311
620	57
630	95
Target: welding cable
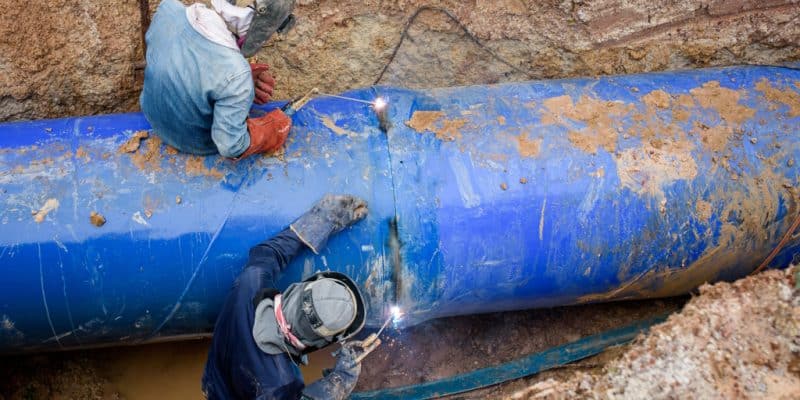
532	364
461	25
789	235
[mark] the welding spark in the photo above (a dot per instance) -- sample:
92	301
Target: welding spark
379	103
397	314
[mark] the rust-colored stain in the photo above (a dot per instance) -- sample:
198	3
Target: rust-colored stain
724	101
501	120
523	180
195	166
528	147
169	150
788	97
97	219
432	121
133	143
503	186
49	205
657	98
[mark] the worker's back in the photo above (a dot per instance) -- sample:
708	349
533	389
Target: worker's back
187	75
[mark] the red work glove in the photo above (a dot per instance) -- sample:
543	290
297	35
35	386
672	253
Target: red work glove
267	133
263	82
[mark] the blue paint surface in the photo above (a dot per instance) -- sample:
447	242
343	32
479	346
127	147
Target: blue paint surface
655	210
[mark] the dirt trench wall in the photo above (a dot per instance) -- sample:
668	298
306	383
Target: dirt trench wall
61	58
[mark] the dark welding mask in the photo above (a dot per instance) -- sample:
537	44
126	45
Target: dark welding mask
270	16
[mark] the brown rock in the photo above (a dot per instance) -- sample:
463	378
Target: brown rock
97	219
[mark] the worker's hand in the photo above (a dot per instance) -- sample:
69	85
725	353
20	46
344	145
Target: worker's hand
338	384
267	133
329	216
263	82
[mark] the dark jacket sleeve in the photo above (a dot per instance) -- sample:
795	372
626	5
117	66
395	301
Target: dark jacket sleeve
267	261
236	367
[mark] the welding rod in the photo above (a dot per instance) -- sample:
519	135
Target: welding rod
346	98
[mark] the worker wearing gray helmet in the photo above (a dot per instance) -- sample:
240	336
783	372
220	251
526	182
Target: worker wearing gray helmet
262	334
198	86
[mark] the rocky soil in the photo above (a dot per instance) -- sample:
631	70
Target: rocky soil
62	58
733	341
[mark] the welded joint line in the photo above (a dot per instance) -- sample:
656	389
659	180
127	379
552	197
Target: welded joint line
394	242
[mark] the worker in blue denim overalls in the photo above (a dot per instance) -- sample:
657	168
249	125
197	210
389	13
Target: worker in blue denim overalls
198	86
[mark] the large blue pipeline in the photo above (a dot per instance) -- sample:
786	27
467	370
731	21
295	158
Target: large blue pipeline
482	199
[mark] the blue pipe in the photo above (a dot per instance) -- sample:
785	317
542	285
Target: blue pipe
482	199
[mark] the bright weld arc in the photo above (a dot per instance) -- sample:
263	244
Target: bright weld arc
379	103
397	314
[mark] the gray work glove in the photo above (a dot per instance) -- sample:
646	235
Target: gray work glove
338	384
330	215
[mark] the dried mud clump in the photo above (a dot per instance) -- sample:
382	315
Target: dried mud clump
195	166
132	144
724	101
735	341
97	219
600	118
528	147
788	97
433	121
149	157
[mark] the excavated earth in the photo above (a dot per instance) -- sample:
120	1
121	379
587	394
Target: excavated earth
78	57
733	341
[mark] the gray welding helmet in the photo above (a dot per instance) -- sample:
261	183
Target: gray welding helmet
270	16
321	310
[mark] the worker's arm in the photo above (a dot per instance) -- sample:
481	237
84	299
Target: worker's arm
337	384
236	135
267	261
232	100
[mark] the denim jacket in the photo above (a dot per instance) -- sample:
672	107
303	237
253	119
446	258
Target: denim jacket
197	93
